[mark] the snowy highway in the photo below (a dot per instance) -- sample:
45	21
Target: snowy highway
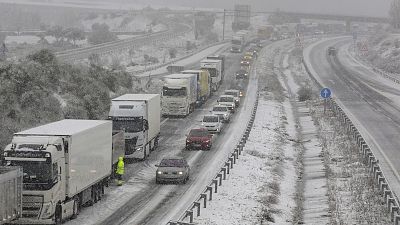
371	100
141	200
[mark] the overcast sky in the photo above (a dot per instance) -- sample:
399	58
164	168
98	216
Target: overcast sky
343	7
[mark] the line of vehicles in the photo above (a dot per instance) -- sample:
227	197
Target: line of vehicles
183	92
67	164
176	169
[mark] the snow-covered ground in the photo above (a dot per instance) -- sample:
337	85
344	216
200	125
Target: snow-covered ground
262	186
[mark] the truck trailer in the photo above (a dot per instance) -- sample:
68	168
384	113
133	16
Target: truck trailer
10	193
179	94
138	115
203	84
66	165
214	67
222	58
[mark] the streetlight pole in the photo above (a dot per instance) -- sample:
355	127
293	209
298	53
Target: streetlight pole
223	26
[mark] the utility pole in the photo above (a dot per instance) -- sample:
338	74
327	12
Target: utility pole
223	26
194	24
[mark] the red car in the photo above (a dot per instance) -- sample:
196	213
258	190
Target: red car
199	138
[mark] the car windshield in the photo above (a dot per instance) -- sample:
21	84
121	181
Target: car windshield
172	163
226	99
210	119
198	133
220	109
234	93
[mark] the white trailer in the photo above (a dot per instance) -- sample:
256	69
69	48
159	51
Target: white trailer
179	94
138	115
66	165
214	67
10	194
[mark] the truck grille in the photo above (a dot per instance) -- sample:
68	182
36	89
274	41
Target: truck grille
31	205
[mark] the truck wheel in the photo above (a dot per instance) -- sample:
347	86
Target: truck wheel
58	215
75	210
144	154
155	143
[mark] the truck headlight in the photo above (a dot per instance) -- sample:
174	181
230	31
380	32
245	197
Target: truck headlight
47	210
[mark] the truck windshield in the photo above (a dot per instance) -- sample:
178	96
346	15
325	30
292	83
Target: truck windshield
212	71
236	42
37	175
174	92
129	125
226	99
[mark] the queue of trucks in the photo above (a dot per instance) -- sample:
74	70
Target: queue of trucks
183	92
50	172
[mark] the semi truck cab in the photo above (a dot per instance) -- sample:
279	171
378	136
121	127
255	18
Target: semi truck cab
44	172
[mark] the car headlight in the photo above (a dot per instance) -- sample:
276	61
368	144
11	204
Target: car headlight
206	141
159	172
187	140
236	100
139	149
180	172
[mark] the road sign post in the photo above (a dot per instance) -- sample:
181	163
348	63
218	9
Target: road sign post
325	94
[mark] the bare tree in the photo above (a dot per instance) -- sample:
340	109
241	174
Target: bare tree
394	13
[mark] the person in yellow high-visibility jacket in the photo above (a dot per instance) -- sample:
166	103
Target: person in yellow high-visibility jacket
120	170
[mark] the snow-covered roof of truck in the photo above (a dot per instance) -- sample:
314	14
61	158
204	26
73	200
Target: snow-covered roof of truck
179	75
210	60
63	127
192	71
135	97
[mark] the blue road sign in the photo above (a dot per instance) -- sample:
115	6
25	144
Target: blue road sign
325	93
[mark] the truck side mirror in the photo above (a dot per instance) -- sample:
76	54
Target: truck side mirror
145	125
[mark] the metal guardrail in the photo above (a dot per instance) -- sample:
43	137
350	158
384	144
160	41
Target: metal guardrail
77	54
207	193
178	59
379	71
389	196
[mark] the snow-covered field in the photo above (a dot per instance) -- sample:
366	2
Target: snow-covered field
262	186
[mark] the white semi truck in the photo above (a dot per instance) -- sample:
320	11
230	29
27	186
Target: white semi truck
138	115
10	193
179	94
214	67
66	164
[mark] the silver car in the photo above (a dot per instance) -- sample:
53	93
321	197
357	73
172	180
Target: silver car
224	111
172	169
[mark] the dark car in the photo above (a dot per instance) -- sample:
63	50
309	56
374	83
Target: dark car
199	138
172	169
242	74
332	50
